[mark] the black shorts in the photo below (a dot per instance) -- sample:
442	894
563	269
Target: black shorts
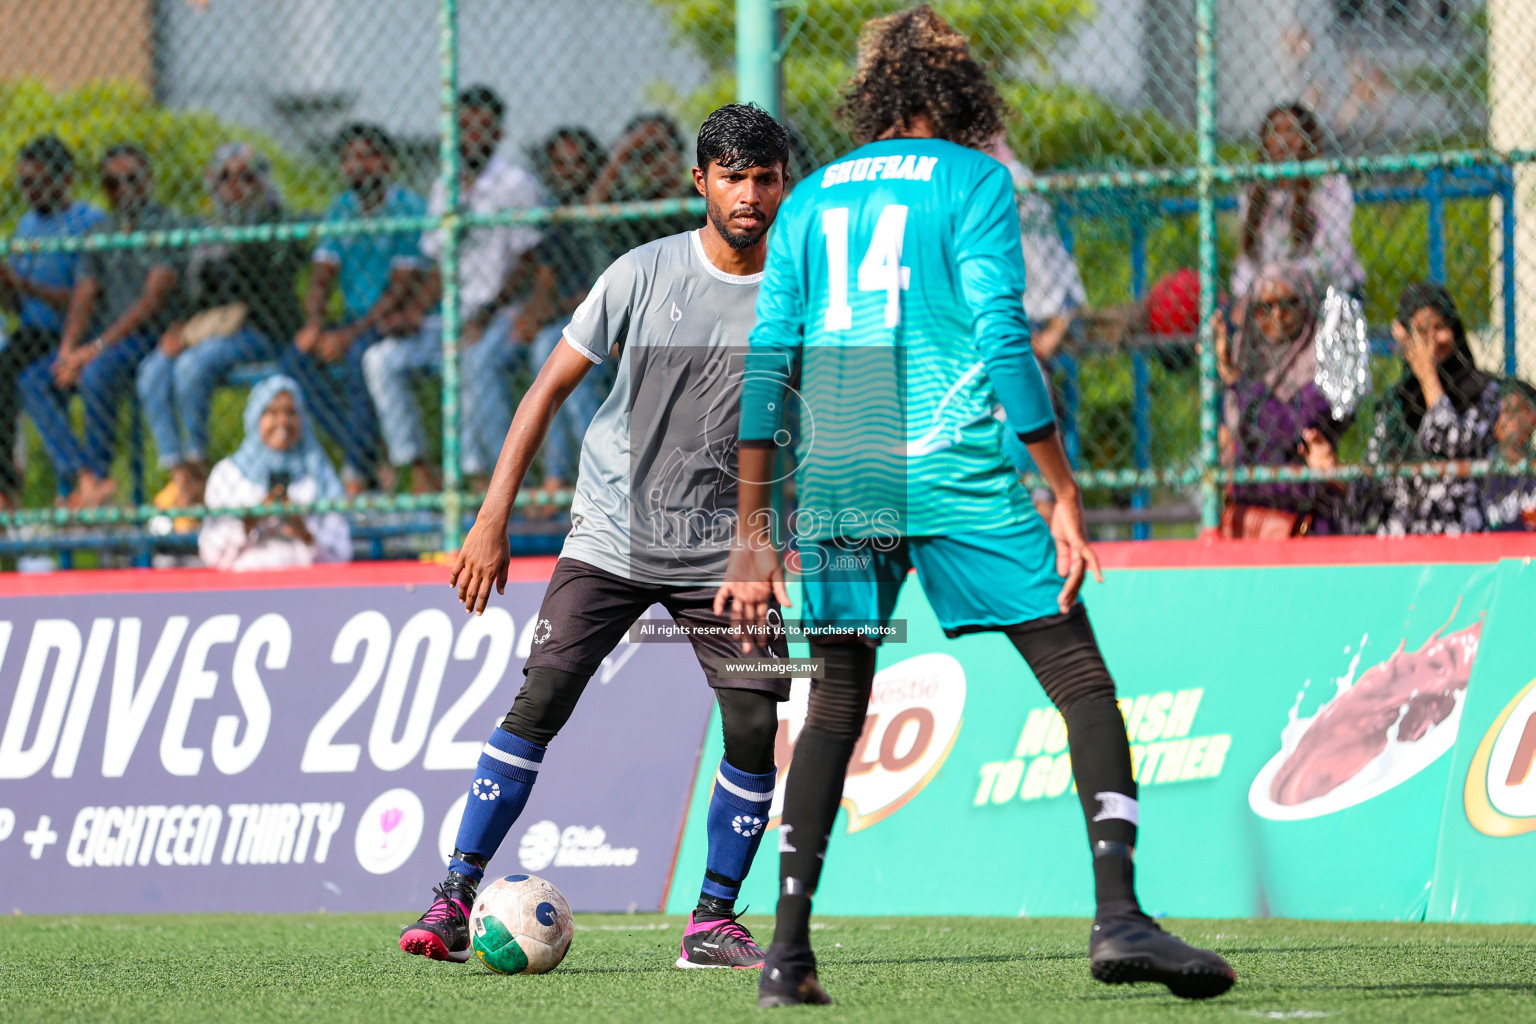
587	611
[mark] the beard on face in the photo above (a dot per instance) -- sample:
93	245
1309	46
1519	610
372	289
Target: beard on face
735	239
367	184
475	156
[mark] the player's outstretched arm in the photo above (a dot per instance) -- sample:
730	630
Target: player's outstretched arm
755	573
1074	558
482	562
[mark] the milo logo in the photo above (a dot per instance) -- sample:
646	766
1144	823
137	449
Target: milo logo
1501	782
915	710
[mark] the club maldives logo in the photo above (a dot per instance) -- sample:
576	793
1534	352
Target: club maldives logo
576	846
915	711
388	831
1501	783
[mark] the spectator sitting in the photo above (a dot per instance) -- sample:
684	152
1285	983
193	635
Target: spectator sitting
1272	401
379	273
647	164
566	265
495	265
38	285
279	461
1511	499
134	293
243	308
1442	408
1305	221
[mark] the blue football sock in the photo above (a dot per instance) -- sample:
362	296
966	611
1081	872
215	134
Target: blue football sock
738	812
503	779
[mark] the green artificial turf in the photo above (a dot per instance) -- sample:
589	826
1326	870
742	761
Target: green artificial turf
346	968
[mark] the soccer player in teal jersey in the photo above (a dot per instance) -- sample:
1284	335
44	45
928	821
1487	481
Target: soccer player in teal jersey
894	289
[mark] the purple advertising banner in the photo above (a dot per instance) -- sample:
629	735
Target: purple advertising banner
271	745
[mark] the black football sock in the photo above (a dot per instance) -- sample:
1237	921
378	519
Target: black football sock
1101	766
833	723
811	798
713	908
1065	657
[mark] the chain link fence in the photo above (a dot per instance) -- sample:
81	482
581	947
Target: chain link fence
396	204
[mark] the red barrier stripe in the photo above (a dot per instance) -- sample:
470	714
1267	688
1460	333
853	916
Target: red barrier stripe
1155	554
160	581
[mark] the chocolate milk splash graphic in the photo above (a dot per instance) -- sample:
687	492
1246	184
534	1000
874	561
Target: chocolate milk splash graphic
1376	733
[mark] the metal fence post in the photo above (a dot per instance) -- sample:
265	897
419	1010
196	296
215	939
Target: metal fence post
451	228
1507	268
757	66
1434	197
1210	395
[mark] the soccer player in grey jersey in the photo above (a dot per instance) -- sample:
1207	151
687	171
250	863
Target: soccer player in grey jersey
653	520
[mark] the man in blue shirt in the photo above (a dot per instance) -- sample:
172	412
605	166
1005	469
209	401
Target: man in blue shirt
894	292
379	274
37	286
123	300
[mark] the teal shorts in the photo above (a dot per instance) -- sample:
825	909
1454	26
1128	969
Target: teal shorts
974	581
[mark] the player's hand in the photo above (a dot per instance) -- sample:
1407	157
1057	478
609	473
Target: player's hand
481	563
1074	558
753	578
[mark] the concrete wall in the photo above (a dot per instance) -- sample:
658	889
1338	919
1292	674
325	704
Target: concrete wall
67	42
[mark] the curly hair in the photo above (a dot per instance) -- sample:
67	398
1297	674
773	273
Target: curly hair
913	64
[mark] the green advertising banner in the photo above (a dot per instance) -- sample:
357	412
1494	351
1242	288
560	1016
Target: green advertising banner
1292	731
1487	850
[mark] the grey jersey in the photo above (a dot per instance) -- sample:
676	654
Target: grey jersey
655	500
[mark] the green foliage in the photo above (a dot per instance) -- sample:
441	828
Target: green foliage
91	117
1053	127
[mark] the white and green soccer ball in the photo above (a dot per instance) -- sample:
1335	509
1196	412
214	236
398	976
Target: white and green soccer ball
520	924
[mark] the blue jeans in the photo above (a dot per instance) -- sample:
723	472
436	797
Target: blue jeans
389	368
337	397
103	383
181	388
487	398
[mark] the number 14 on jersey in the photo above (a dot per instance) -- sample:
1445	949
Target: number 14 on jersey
879	271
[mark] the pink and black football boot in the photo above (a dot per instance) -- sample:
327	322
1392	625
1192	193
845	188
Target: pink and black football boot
442	933
718	942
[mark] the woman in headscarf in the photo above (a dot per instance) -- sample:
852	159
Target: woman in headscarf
242	305
279	461
1442	408
1273	402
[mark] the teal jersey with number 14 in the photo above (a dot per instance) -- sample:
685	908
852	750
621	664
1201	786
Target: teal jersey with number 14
894	294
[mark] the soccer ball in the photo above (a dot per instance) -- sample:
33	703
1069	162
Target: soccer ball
520	924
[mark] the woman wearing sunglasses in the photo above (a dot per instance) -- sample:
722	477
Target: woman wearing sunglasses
241	302
1273	404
